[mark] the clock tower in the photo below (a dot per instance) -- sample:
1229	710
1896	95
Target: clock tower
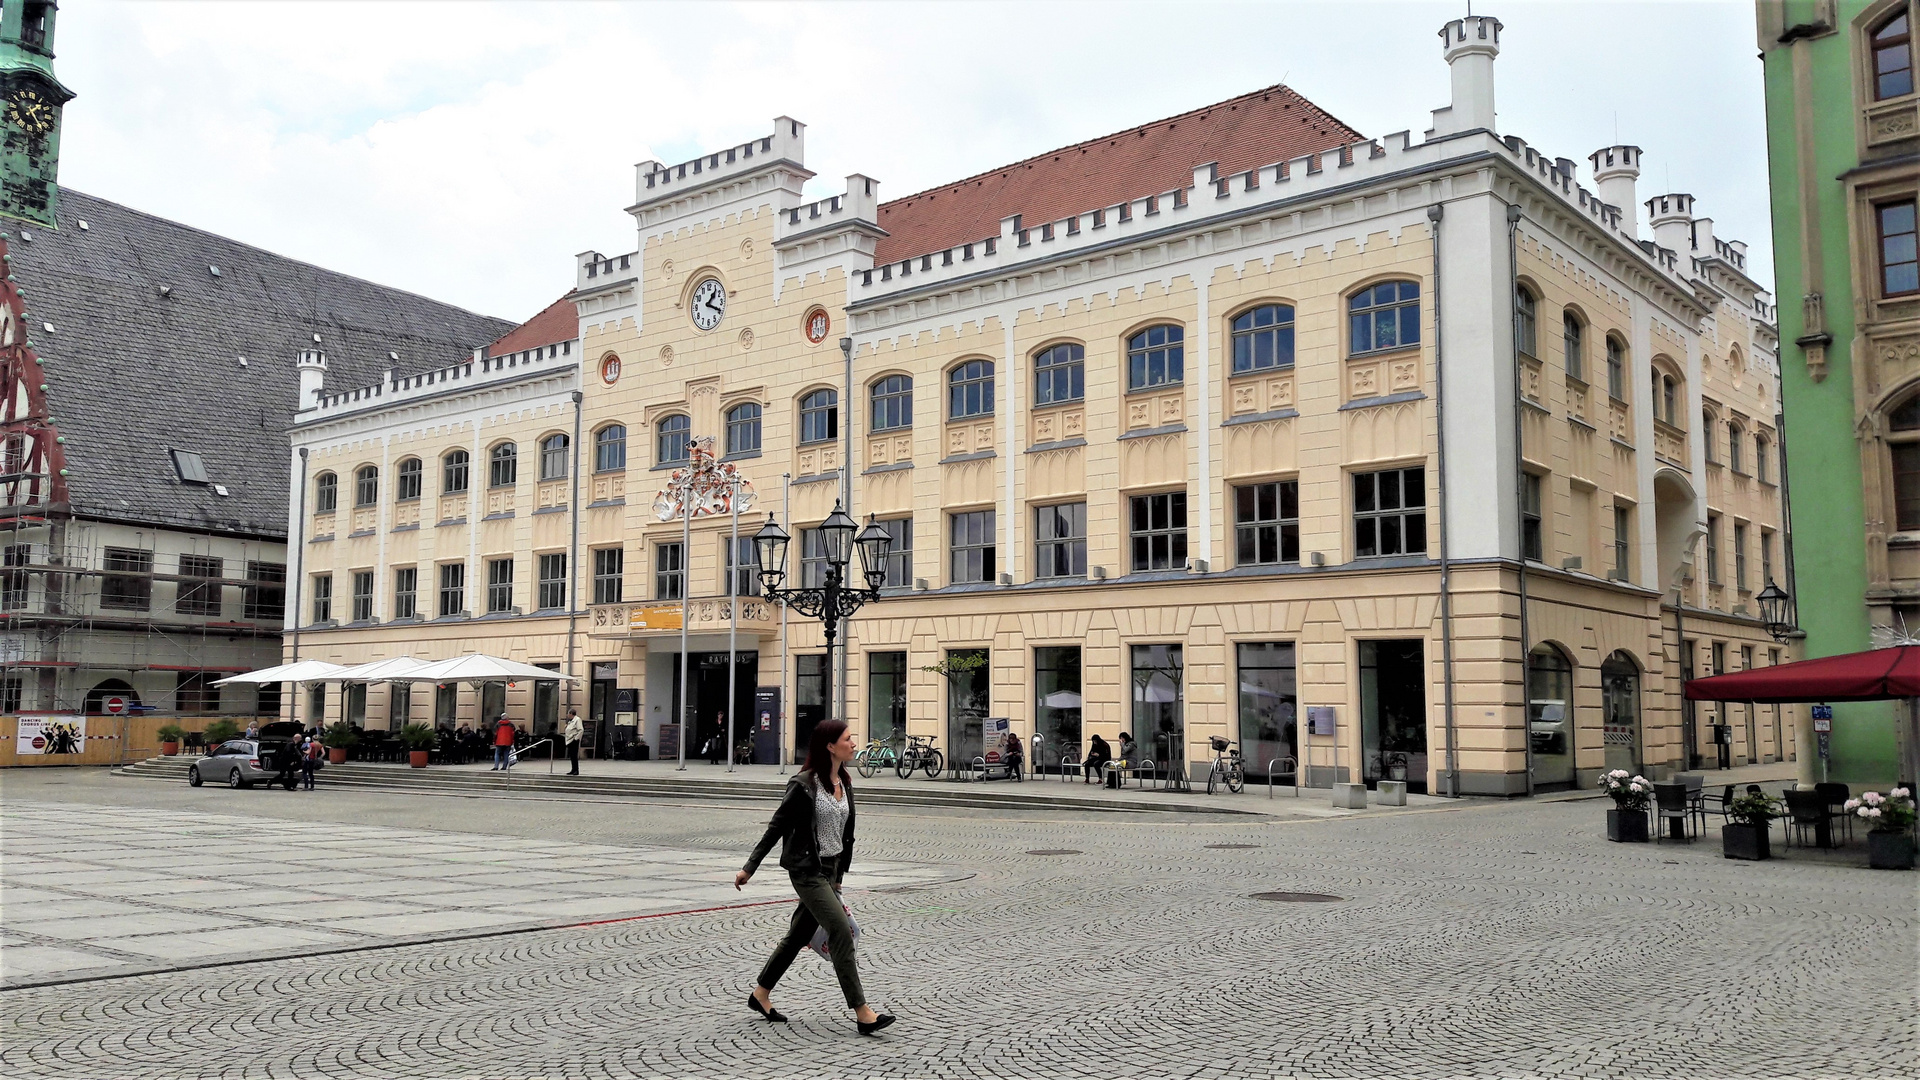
30	103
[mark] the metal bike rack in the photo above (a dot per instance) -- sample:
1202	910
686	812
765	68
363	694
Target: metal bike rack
1273	766
513	756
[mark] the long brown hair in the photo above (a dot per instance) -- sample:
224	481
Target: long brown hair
825	734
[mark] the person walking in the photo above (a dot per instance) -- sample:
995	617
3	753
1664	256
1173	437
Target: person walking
310	762
574	730
814	825
502	744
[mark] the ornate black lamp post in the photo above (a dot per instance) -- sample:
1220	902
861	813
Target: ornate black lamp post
1774	607
837	597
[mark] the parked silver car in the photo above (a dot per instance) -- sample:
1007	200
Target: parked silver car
240	763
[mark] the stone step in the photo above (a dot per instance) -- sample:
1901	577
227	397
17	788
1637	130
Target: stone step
531	784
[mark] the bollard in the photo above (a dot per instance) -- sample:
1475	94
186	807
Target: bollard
1390	793
1350	796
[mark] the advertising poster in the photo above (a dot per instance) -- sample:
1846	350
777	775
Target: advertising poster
51	735
993	732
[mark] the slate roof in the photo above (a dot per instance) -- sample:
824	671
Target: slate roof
145	356
1246	132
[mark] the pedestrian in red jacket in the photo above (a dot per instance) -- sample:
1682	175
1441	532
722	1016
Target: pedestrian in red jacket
502	744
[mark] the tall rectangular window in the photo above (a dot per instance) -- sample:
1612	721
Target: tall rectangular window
406	592
453	589
1266	523
14	583
669	571
553	582
446	705
406	480
1390	513
971	546
353	704
1159	719
322	598
1766	557
198	597
813	559
1269	703
1059	374
887	696
1531	542
743	563
1057	704
266	700
1622	540
1616	370
362	595
399	705
1526	334
1573	341
499	585
1060	540
194	692
127	584
1734	457
899	552
1899	263
809	698
1740	556
1713	549
1906	484
12	694
609	571
266	595
1158	531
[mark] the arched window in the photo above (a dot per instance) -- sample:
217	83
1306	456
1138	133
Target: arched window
1620	711
1903	445
970	390
1156	356
1734	435
1060	374
893	403
672	440
1707	443
1550	714
820	416
453	473
326	493
406	479
1263	338
553	456
1573	337
743	428
1892	58
366	486
1526	337
1761	448
503	465
610	448
1616	368
1385	316
1666	397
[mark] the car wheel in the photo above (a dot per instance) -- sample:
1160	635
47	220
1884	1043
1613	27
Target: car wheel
235	780
193	776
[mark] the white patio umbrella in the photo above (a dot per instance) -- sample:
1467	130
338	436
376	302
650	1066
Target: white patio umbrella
478	668
302	671
386	670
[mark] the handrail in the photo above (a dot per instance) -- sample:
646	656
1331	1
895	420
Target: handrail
1294	768
514	756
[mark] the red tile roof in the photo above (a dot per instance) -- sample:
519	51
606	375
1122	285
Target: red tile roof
1246	132
558	322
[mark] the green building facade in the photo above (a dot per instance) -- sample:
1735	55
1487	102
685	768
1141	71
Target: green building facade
1843	134
31	100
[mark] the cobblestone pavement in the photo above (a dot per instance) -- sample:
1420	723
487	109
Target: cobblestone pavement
1488	940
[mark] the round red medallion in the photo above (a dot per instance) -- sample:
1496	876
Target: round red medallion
610	369
816	325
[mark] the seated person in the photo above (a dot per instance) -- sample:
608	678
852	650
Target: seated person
1098	754
1011	752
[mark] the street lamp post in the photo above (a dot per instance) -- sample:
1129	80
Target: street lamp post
1773	610
837	597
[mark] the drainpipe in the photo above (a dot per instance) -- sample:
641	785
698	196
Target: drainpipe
1520	484
299	573
1434	214
786	686
573	554
846	497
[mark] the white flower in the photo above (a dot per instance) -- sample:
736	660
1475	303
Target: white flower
1852	804
1873	813
1902	793
1874	798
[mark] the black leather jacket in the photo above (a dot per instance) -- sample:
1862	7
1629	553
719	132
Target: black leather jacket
792	825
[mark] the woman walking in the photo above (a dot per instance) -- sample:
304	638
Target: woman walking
814	825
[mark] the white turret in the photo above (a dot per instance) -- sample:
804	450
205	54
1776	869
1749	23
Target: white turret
1471	44
313	377
1615	169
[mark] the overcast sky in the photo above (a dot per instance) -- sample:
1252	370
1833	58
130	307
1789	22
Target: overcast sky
467	150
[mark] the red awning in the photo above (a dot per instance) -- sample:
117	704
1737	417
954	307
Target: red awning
1874	675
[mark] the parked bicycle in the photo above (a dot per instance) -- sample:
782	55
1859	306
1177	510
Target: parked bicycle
920	754
874	756
1227	766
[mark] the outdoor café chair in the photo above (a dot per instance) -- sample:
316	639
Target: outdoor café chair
1808	810
1671	803
1696	798
1837	795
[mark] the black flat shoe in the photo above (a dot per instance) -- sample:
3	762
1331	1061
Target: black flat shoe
773	1016
879	1021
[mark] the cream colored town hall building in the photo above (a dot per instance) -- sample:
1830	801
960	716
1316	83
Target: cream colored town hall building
1217	426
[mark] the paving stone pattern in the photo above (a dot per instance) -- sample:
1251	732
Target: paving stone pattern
1493	940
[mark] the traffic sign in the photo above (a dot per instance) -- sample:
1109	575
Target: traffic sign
114	706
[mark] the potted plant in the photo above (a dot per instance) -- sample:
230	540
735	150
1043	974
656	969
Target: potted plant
337	739
420	739
170	736
1627	821
1890	840
1745	834
220	731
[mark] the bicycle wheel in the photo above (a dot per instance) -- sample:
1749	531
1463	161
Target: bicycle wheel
1236	777
933	762
1213	777
867	763
905	766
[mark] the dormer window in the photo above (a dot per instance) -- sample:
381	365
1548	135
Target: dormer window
191	468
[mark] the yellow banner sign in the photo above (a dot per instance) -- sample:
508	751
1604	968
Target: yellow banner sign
653	617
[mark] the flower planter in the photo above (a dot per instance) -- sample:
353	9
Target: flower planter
1627	826
337	755
417	758
1744	842
169	749
1887	850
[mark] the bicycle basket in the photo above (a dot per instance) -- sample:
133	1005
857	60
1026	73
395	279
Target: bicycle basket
1218	743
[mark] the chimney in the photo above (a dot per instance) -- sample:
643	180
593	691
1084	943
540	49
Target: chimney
1703	237
1672	218
1471	45
1614	170
313	377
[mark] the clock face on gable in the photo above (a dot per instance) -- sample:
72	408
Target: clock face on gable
30	112
709	303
